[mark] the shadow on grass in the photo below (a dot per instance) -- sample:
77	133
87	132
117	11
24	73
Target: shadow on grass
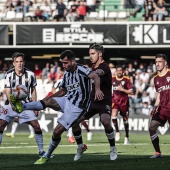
88	162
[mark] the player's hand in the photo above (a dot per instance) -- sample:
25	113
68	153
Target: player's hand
36	113
120	87
99	95
154	111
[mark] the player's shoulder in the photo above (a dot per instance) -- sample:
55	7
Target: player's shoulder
10	71
126	77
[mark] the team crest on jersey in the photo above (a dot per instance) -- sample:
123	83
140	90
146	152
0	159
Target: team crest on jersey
122	83
157	82
26	80
168	79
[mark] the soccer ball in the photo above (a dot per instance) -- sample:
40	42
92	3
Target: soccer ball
20	92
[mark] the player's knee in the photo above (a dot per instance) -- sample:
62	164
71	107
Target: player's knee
37	128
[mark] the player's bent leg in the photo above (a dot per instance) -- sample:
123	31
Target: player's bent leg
154	138
3	124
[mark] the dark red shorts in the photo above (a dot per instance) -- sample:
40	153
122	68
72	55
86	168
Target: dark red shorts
98	108
162	116
124	110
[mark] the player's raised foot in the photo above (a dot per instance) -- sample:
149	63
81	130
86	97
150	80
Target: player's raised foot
71	139
113	153
117	136
157	155
10	135
126	141
80	151
41	154
89	136
31	136
17	104
42	160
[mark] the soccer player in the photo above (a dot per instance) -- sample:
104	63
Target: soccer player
161	111
121	87
73	99
15	76
101	107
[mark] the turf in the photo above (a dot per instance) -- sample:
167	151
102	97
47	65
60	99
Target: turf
20	153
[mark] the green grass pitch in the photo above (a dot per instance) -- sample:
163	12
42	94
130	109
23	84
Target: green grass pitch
20	153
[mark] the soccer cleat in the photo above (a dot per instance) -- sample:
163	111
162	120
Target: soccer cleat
31	136
71	139
126	141
113	153
157	155
117	136
42	160
80	151
10	135
41	154
17	104
89	135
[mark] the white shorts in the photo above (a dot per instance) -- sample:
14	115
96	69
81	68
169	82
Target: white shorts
8	115
70	112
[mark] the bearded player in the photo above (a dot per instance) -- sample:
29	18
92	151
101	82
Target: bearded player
161	111
122	87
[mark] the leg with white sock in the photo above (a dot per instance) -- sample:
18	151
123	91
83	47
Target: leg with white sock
105	120
154	138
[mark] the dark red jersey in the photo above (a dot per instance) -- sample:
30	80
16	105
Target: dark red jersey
105	84
119	97
162	86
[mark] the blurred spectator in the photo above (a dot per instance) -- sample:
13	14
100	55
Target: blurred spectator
46	71
8	6
47	12
149	10
72	14
139	4
38	72
38	14
160	11
26	4
146	108
81	10
112	68
52	77
144	76
61	11
91	5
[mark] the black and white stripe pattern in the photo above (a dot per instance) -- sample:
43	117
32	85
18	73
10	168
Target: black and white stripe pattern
28	79
78	86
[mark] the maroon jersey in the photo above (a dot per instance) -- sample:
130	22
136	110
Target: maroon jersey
120	98
105	84
162	85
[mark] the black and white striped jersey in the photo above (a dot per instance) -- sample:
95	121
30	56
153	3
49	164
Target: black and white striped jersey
78	86
28	79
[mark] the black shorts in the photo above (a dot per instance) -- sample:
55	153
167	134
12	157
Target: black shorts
98	108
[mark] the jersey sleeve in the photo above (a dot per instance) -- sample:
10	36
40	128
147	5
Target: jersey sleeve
7	83
33	80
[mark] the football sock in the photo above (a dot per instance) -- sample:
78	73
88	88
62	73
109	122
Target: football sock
14	127
70	133
126	125
31	129
1	134
33	106
85	125
155	142
115	123
78	137
39	140
53	144
110	137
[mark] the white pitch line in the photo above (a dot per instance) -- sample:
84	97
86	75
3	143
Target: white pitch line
61	146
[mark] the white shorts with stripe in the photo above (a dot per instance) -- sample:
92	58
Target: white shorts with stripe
8	115
70	112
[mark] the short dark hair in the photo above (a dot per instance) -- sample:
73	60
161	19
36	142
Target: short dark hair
17	54
161	56
97	47
69	54
119	66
